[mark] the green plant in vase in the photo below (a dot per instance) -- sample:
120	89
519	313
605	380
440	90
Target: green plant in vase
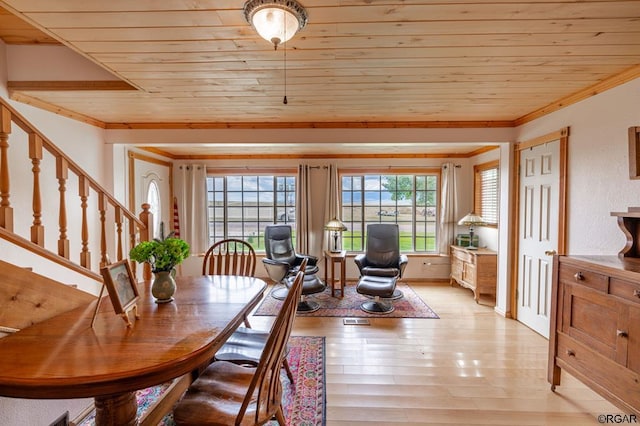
163	255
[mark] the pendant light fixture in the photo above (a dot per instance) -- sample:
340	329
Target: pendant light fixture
275	20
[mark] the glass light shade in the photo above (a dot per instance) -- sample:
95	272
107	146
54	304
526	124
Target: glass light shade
275	25
471	219
275	20
335	225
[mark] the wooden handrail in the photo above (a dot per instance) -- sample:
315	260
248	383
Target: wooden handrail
17	118
108	208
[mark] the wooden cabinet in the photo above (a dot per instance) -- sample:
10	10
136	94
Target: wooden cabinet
595	326
474	269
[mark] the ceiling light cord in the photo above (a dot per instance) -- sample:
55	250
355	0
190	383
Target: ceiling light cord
284	101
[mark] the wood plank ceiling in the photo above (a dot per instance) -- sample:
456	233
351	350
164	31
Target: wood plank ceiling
487	62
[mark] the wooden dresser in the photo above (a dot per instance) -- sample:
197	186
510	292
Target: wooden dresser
595	326
474	269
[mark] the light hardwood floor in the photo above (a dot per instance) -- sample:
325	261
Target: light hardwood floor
470	367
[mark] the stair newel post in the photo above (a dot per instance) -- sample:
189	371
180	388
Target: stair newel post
102	208
35	153
85	254
6	211
133	233
146	234
62	173
118	220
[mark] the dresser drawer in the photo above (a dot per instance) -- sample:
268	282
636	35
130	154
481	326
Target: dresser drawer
464	256
570	273
625	289
598	371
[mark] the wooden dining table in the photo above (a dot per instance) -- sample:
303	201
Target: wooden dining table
65	357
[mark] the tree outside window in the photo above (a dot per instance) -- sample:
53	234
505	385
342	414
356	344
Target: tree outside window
410	200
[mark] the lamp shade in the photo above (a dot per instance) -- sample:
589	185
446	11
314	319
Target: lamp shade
275	20
335	225
471	219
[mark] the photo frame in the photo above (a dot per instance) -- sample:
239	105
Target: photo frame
122	287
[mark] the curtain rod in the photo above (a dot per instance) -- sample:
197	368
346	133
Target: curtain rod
422	166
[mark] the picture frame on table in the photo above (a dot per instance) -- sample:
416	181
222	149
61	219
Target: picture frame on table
122	287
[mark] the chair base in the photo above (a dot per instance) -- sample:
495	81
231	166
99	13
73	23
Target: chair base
280	293
397	295
377	307
306	306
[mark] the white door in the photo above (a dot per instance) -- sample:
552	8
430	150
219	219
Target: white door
152	184
538	233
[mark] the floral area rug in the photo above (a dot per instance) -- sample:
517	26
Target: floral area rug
410	306
304	401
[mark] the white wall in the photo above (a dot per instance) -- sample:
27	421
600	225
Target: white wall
598	170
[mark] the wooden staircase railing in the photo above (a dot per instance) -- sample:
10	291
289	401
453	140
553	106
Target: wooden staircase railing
116	222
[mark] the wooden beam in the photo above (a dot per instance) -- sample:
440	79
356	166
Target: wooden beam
315	125
53	86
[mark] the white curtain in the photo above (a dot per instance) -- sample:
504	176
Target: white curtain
303	210
191	194
448	208
332	203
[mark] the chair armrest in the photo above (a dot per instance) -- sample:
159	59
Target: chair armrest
361	261
276	270
311	260
403	263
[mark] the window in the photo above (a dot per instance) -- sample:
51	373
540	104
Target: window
410	200
153	198
240	206
486	191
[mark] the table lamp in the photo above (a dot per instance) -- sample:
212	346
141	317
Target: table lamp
471	220
336	227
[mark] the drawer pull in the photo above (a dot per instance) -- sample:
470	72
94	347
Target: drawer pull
636	293
578	276
622	333
571	352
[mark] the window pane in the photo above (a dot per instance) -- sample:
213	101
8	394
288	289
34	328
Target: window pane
408	200
242	206
153	198
486	193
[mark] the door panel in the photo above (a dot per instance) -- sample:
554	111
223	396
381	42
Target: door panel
538	235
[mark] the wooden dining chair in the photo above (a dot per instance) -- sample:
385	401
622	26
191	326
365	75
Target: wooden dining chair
230	257
245	345
229	394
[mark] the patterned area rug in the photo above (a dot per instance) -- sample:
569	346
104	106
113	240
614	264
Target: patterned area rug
304	401
410	306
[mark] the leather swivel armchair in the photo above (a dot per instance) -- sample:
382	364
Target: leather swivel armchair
382	257
282	263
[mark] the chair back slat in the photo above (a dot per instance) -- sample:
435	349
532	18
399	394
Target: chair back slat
266	380
230	257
